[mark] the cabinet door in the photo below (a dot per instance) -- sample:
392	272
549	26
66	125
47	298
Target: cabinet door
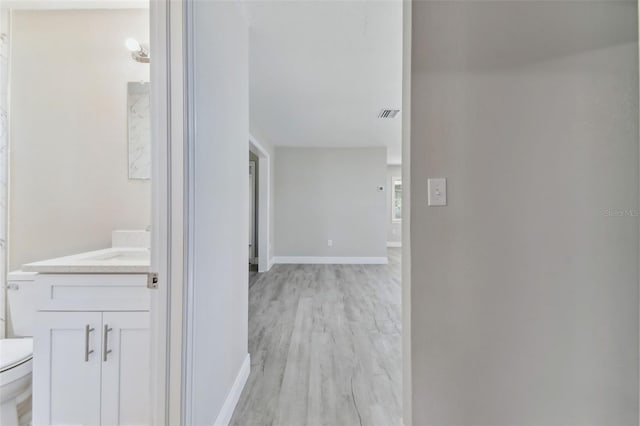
125	368
66	368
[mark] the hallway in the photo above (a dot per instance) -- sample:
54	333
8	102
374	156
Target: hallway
325	344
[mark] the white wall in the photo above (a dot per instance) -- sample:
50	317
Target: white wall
330	194
394	228
219	315
524	291
69	185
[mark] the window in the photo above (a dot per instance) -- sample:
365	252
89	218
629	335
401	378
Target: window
396	199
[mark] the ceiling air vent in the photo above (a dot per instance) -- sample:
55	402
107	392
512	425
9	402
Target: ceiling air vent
388	113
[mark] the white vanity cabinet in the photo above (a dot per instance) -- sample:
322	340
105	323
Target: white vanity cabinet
92	350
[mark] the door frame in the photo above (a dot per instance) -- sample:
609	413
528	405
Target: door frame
264	201
253	191
167	39
407	384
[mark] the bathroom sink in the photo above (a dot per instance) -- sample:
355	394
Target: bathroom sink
122	255
111	260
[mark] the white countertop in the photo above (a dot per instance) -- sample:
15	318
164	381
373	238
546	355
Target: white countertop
116	260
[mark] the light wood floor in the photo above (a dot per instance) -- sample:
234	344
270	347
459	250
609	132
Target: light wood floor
325	346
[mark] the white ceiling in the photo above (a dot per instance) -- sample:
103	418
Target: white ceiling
321	71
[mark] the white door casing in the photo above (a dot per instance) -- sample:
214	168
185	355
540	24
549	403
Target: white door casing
252	211
167	172
264	201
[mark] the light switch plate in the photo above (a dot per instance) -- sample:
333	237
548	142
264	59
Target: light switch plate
437	192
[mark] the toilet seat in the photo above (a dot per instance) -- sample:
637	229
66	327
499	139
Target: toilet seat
15	359
16	365
16	372
14	352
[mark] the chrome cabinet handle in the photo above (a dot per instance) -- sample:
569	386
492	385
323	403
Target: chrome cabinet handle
87	330
107	351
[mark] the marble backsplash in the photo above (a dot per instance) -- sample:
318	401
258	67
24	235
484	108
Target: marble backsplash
139	130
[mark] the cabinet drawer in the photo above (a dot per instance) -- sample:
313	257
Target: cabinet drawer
93	292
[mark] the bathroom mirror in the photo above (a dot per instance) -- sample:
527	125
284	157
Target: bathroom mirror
139	130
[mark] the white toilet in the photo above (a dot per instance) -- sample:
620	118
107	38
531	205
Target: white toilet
16	353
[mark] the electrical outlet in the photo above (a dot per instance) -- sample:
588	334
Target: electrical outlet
330	243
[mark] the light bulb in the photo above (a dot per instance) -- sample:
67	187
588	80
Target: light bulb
132	44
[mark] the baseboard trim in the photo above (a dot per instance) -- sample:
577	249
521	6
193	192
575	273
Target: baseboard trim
272	261
394	244
224	417
325	260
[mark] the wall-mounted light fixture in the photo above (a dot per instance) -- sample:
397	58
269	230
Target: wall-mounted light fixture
139	52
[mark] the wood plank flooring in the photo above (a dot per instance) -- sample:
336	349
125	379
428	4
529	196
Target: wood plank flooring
253	274
325	344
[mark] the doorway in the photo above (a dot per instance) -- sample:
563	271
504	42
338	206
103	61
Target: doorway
335	287
166	34
97	141
260	227
253	219
216	356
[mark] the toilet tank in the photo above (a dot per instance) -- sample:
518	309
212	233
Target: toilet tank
21	303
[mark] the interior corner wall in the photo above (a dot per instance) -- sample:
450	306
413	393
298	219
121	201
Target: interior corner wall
326	194
218	343
69	185
394	228
524	306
